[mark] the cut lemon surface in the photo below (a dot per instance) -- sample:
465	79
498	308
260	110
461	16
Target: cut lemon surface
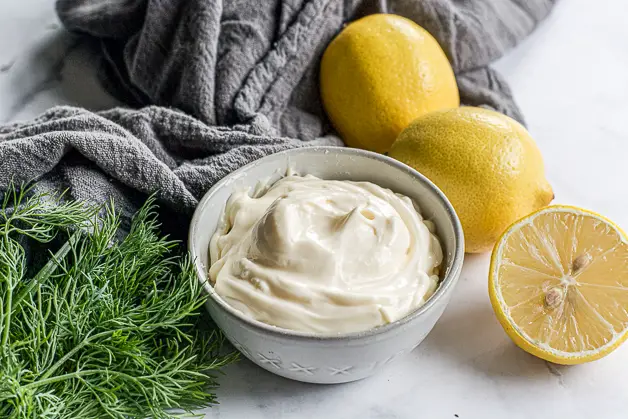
558	283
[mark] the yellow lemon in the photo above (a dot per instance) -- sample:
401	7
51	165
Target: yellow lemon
380	73
485	162
558	283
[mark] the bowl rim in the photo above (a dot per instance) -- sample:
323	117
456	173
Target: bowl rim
446	284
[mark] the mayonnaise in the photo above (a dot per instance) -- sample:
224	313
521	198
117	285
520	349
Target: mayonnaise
324	256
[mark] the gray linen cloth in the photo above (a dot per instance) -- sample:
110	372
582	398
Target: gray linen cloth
213	85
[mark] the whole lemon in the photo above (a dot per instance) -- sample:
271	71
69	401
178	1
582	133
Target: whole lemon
486	164
378	75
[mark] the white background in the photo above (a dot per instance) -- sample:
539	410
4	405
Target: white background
571	80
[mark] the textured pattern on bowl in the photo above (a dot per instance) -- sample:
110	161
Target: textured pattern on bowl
339	358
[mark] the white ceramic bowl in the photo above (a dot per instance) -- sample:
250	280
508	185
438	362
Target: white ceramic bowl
348	357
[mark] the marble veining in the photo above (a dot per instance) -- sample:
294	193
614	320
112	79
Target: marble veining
569	79
42	65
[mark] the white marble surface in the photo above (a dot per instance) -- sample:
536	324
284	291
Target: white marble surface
570	79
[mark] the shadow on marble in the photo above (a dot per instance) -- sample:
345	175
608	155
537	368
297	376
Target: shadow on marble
474	339
80	78
57	69
244	379
35	71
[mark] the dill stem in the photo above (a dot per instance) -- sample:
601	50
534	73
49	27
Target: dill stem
76	374
56	379
86	341
8	304
43	274
49	268
7	317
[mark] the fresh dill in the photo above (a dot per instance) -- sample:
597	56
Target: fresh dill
108	327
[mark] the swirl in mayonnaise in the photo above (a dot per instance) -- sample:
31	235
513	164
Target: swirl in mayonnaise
324	256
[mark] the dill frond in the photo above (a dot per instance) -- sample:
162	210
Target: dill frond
107	327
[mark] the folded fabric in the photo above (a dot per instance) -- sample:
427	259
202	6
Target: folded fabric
221	83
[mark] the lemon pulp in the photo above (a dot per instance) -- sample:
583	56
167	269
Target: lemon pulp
559	284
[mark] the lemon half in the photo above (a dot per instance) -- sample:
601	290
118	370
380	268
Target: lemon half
558	283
